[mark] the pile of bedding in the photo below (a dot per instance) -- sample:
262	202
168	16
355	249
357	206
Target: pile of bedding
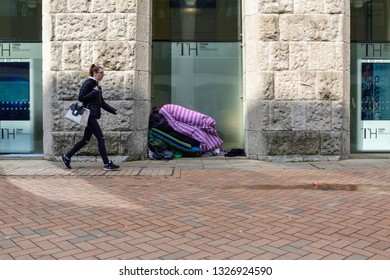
188	131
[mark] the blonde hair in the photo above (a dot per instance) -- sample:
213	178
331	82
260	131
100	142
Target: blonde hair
93	69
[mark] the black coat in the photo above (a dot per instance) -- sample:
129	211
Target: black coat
93	99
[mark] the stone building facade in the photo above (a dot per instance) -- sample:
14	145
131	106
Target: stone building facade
295	75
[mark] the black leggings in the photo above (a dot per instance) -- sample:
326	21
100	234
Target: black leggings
93	127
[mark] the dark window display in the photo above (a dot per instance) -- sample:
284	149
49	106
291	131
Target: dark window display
21	20
196	20
370	20
375	102
14	91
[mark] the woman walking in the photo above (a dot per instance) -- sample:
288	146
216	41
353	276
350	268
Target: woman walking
91	97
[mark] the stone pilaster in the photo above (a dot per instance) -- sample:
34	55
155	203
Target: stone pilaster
116	35
296	69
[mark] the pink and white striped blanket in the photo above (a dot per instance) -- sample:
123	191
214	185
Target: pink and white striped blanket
193	124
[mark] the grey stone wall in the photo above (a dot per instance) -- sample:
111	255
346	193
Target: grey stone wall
296	79
116	35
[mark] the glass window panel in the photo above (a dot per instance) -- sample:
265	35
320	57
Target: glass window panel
370	69
196	20
197	61
15	130
370	20
204	77
21	20
21	128
370	97
210	76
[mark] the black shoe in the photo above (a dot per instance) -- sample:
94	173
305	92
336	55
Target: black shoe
66	161
110	166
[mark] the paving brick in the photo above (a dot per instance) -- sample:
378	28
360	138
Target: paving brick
22	254
299	243
381	245
175	255
88	255
112	254
243	256
294	250
7	243
288	256
334	256
6	257
187	248
311	256
46	254
272	249
202	255
157	242
356	257
266	256
251	249
224	255
363	252
361	244
134	255
153	255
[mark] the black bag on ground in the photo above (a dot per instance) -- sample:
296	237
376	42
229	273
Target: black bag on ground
235	153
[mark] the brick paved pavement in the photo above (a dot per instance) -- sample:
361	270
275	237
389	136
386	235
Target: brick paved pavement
195	209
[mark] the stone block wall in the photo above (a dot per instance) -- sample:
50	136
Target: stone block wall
116	35
296	79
